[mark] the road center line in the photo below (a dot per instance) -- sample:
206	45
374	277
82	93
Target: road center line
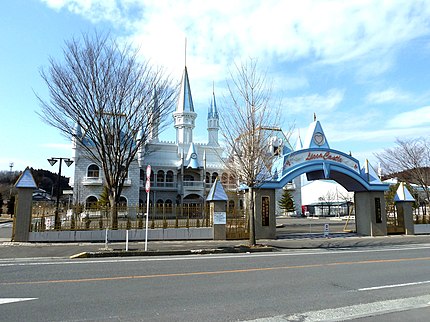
208	273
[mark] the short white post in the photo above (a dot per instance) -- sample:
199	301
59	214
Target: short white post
126	240
106	238
147	189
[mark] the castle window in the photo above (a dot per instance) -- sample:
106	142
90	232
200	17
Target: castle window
231	206
93	171
224	178
169	176
160	176
214	176
122	202
169	206
91	202
231	179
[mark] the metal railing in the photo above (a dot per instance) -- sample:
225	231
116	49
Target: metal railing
96	218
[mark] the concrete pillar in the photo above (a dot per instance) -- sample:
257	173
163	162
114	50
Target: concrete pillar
370	215
265	218
218	217
405	214
23	206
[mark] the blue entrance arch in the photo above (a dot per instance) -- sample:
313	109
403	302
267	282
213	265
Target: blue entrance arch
318	161
323	163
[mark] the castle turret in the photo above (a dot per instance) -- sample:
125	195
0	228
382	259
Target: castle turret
213	122
184	116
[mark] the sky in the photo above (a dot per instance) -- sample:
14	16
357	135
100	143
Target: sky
362	66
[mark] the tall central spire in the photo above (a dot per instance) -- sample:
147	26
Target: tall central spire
185	100
184	116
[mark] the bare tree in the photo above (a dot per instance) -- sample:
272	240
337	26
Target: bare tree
247	125
409	161
106	92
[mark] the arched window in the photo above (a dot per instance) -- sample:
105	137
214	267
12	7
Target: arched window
169	176
231	206
122	202
160	176
142	175
241	204
224	178
152	176
207	177
93	171
159	206
169	206
231	179
91	202
214	176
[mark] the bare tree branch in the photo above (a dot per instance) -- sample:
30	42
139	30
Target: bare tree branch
409	160
108	93
248	122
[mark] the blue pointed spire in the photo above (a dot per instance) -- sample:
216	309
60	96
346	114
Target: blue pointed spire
185	100
213	111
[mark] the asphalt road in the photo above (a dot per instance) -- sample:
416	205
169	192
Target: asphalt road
367	284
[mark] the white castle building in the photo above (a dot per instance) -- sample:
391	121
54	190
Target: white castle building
182	171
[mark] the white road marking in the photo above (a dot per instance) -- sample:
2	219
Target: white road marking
354	311
392	286
61	261
13	300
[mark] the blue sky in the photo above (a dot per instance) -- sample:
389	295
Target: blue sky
361	66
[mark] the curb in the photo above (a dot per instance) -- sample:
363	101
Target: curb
123	253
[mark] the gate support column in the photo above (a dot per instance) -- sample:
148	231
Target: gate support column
25	186
217	199
265	219
404	201
370	214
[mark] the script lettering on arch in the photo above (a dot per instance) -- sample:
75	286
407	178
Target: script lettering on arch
299	157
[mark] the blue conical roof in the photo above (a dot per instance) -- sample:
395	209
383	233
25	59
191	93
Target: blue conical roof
217	192
403	194
213	111
26	180
315	137
185	100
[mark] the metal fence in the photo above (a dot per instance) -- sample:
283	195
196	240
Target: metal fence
97	217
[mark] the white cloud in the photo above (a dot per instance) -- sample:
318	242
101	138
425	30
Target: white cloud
320	104
387	96
221	31
411	119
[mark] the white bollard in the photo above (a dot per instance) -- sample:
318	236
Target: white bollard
106	239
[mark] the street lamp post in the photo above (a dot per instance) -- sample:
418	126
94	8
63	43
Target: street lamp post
53	161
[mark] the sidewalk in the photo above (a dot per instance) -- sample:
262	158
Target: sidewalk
10	250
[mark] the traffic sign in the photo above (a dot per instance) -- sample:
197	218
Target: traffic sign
148	172
147	185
